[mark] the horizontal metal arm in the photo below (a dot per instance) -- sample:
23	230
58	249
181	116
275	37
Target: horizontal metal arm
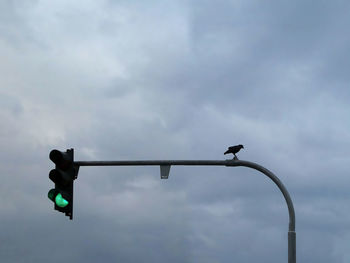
154	162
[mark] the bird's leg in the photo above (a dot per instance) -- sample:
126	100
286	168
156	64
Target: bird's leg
235	157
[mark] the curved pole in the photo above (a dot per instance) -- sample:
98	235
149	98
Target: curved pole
234	162
274	178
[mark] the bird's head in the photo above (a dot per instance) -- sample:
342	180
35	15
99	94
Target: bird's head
241	146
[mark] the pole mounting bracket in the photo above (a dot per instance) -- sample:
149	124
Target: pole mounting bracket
164	171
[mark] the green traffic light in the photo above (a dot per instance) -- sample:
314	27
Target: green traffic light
55	196
60	201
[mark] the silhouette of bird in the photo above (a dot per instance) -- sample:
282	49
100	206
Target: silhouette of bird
234	149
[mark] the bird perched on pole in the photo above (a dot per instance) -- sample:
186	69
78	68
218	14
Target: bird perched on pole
234	149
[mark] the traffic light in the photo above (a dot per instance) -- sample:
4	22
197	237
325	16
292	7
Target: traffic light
63	176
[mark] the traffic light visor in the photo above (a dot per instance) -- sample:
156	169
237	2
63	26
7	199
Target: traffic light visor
52	194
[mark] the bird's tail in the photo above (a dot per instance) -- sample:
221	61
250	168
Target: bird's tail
227	152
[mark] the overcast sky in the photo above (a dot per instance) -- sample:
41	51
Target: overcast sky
129	80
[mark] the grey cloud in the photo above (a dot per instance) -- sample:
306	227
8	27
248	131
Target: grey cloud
117	80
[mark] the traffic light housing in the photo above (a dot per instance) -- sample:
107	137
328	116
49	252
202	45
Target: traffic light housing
63	176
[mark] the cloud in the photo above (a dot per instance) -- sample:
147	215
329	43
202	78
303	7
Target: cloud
165	80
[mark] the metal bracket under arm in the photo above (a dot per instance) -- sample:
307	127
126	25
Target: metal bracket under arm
164	171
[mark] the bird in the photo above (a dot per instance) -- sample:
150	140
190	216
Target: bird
234	149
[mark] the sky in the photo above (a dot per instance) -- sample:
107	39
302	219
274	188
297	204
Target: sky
158	80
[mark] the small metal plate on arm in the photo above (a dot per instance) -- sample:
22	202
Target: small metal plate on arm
164	171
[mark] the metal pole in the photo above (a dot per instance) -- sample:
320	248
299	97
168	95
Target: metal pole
274	178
